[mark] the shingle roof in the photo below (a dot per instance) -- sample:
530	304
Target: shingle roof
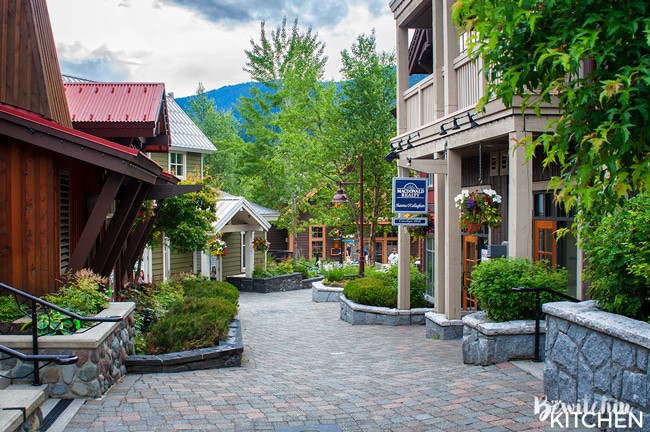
234	209
185	133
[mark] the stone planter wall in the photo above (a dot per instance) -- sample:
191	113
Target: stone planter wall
486	342
307	283
321	293
358	314
227	354
439	327
290	282
593	354
102	351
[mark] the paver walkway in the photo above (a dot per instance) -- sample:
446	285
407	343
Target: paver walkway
304	366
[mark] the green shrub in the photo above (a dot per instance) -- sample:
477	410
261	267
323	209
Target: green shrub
274	269
305	268
492	283
9	311
199	319
618	260
83	293
379	288
195	323
372	290
338	274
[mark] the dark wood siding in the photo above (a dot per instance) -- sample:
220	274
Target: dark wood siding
277	238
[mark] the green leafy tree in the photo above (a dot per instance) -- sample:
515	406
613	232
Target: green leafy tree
592	58
223	130
285	118
187	219
365	126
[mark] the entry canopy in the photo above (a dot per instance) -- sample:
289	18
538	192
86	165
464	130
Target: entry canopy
235	214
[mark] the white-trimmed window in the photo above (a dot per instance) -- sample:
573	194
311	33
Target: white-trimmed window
177	164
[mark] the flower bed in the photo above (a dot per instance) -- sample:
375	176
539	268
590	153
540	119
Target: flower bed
287	282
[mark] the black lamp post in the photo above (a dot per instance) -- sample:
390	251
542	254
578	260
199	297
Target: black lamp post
341	198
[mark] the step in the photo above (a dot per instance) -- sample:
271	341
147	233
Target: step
24	396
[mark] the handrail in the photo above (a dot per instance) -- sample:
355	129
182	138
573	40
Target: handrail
61	359
35	357
538	310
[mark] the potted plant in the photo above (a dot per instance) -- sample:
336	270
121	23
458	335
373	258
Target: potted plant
478	209
217	247
260	244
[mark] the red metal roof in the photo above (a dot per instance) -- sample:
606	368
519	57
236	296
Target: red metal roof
114	102
36	129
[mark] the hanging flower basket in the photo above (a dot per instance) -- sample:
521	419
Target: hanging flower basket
260	244
147	210
421	232
478	209
217	247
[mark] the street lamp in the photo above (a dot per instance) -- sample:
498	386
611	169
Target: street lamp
341	198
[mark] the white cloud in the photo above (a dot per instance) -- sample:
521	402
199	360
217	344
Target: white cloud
156	41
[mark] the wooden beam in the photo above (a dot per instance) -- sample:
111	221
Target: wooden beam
428	166
127	225
166	191
109	239
241	227
135	244
95	221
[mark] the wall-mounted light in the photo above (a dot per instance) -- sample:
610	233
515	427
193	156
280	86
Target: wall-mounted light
442	129
408	161
455	127
472	122
390	157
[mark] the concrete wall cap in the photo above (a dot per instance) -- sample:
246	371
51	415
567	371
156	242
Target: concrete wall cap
480	322
441	319
382	310
322	287
587	314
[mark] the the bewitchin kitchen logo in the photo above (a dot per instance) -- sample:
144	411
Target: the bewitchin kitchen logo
410	190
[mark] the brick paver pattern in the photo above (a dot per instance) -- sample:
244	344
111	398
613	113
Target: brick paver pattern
304	366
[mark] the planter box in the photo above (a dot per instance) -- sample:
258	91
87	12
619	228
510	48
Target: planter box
321	293
593	354
102	351
439	327
227	354
289	282
307	283
358	314
486	342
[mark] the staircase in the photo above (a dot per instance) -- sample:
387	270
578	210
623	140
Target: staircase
21	407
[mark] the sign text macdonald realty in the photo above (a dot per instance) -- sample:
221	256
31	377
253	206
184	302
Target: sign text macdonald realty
410	195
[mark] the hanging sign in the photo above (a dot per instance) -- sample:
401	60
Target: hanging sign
410	221
410	195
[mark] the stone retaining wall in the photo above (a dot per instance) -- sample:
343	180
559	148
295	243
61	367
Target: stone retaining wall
486	342
593	354
227	354
289	282
439	327
358	314
102	351
321	293
307	283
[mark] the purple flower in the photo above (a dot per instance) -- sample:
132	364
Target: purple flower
471	203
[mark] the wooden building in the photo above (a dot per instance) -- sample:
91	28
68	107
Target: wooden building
68	199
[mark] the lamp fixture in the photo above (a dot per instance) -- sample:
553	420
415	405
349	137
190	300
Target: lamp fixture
408	143
442	129
408	161
391	156
472	122
455	127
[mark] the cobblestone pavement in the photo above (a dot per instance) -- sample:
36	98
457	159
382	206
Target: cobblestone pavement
304	366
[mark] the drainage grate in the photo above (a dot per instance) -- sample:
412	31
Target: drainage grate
309	428
54	414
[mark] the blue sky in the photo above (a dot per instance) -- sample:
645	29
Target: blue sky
184	42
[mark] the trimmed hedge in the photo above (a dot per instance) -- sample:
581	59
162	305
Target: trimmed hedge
379	288
199	321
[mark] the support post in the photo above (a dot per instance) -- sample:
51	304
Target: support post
453	250
439	245
520	199
403	260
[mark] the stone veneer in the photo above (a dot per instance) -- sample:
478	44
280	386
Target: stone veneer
321	293
102	351
439	327
486	342
358	314
288	282
307	283
592	354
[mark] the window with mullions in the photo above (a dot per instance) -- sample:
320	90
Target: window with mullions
177	164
